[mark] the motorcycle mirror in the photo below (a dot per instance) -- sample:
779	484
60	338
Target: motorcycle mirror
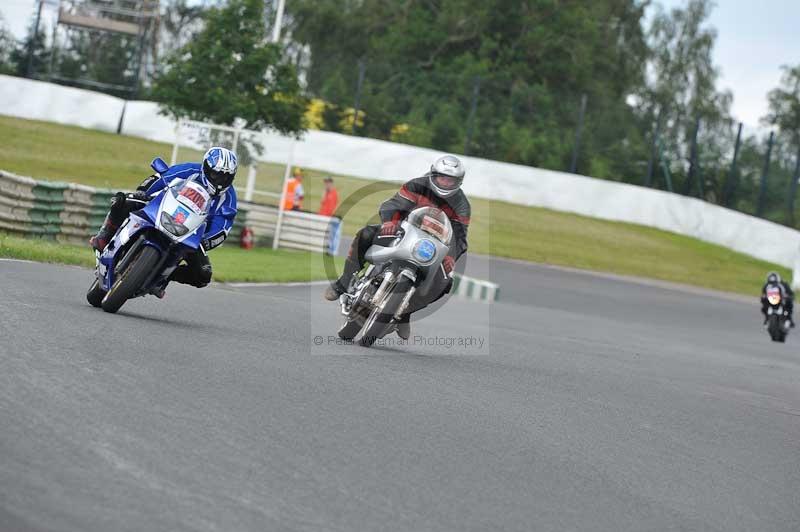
159	165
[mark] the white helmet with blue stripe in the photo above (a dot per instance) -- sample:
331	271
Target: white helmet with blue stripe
219	168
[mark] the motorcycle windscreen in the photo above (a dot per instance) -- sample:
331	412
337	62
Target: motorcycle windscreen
432	221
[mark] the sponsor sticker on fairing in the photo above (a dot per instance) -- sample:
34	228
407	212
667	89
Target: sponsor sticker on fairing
196	198
424	250
180	215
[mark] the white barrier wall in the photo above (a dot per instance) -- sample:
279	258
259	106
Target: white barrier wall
37	100
376	159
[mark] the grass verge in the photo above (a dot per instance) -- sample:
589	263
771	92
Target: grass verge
230	264
51	151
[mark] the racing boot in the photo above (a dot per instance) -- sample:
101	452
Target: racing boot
159	291
351	265
104	236
333	291
403	327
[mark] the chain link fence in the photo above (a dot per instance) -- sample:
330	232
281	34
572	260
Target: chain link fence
749	169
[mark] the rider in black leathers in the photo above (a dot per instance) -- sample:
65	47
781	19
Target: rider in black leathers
788	296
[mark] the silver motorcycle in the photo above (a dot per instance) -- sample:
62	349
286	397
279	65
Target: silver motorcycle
378	296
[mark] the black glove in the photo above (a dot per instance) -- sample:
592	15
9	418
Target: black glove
118	199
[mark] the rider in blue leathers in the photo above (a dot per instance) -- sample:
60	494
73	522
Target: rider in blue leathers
216	174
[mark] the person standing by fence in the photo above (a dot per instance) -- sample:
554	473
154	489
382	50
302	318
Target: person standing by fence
293	198
330	198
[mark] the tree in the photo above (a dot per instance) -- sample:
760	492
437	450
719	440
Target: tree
106	60
230	71
784	112
32	52
7	47
532	60
682	90
784	104
178	22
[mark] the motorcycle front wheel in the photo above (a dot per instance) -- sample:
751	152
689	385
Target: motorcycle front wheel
95	294
380	319
775	329
131	279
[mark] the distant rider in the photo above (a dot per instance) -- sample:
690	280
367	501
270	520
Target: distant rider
440	188
773	278
215	173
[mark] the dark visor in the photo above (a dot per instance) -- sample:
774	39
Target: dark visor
446	182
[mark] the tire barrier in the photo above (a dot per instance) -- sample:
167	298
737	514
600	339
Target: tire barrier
65	212
477	289
71	213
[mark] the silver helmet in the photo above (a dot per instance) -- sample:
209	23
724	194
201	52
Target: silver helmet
446	175
773	278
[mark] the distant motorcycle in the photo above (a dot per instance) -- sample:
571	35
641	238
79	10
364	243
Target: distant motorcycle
150	244
377	298
777	316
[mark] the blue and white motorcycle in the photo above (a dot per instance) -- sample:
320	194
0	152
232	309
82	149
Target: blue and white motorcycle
150	244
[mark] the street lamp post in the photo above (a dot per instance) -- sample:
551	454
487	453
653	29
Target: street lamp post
276	29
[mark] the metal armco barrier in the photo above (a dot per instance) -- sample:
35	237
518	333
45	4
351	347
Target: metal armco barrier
68	212
299	230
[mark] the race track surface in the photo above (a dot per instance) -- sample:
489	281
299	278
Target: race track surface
591	404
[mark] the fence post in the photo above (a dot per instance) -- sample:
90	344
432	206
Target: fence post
276	29
32	45
174	158
793	189
576	148
687	189
664	165
648	180
290	160
796	272
251	183
235	144
476	90
762	193
122	117
362	67
730	184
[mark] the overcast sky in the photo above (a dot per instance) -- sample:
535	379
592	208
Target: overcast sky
754	39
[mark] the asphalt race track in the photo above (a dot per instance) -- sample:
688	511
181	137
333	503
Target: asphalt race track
576	403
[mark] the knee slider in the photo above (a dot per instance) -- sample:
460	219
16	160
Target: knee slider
204	278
